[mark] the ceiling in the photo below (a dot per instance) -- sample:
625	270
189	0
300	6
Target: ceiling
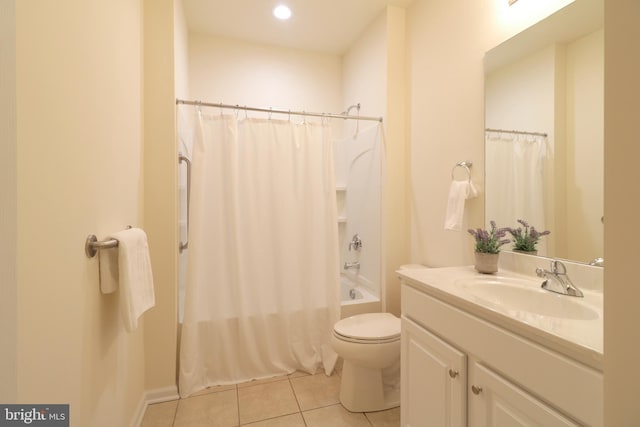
329	26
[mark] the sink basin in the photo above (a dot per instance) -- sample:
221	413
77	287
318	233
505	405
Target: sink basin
521	298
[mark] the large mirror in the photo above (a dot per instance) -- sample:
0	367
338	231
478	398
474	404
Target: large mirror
544	138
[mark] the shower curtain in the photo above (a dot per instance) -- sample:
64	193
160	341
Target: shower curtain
514	170
262	290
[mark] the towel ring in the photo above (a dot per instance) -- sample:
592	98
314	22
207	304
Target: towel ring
464	164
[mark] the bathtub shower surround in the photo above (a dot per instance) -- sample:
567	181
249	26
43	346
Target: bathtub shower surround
359	175
260	300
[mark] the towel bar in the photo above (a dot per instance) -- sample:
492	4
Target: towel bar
92	245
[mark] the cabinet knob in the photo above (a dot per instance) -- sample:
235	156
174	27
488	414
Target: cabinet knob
476	390
453	373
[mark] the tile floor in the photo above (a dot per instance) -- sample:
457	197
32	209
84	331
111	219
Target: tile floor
296	400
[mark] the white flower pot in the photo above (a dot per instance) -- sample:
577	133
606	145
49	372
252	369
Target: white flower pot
486	263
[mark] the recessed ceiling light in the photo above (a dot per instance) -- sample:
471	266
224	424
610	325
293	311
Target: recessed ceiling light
282	12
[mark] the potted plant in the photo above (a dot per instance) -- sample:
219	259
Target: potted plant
526	237
487	247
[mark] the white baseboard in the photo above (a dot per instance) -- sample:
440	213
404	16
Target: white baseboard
150	397
160	395
139	413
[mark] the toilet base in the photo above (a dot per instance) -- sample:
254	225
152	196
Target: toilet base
362	390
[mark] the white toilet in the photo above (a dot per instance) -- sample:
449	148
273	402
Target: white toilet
370	346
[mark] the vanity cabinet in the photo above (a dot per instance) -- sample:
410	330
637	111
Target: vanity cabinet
460	370
439	388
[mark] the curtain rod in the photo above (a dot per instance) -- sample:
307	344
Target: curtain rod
276	111
517	132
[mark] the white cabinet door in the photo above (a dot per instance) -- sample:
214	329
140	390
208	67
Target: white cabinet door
433	380
495	402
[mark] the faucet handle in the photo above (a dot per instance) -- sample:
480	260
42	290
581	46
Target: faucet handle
356	243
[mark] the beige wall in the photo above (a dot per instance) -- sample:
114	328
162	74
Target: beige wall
445	123
79	171
396	223
8	203
364	71
622	293
237	72
181	46
160	195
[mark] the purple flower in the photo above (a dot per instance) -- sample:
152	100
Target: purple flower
526	240
489	241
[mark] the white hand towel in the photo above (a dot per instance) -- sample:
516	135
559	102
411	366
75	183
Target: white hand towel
108	265
459	191
135	275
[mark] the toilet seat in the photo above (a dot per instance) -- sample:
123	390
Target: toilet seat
369	328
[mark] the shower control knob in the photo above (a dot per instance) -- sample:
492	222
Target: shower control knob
356	243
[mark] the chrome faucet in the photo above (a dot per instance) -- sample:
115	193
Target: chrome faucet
355	264
557	280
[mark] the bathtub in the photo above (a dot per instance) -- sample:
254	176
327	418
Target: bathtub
356	299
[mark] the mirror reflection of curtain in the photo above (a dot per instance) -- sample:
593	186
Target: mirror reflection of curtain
515	167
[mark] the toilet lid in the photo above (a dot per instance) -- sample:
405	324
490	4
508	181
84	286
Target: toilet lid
369	326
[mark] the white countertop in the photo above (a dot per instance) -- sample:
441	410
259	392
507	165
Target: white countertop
580	339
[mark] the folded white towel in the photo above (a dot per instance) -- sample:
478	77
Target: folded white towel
108	264
134	275
459	191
